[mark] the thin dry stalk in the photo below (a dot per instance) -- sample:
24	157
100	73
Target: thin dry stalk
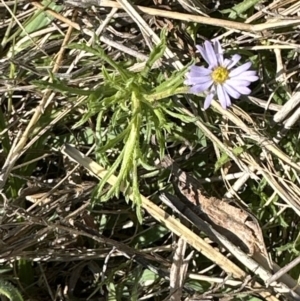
176	227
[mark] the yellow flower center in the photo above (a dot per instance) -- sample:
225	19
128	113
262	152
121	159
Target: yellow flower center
220	75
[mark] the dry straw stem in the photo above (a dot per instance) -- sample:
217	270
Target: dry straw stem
253	134
178	270
194	18
148	32
288	283
290	105
285	192
291	198
56	15
256	136
15	152
290	122
275	5
180	230
264	104
284	270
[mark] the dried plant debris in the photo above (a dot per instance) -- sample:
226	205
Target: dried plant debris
214	85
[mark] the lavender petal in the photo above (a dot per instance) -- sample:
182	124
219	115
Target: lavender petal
196	89
231	91
236	82
228	102
198	71
203	53
193	80
218	51
237	71
211	55
233	61
243	90
248	76
249	73
208	101
223	97
239	86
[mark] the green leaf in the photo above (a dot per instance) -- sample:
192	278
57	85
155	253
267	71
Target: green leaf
173	82
4	133
59	86
181	117
225	158
111	292
99	52
239	9
41	19
156	54
111	143
150	236
10	291
148	278
111	171
87	136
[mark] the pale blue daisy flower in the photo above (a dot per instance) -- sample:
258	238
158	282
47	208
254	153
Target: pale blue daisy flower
219	79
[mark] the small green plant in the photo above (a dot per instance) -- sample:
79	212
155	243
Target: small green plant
131	110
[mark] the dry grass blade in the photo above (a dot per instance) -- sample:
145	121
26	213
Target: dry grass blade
208	133
284	193
159	214
269	146
150	34
56	15
287	108
48	97
261	140
111	77
178	270
176	227
194	18
283	271
287	285
194	6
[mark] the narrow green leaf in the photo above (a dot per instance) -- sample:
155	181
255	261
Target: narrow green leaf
41	19
182	117
225	158
59	86
99	52
10	291
150	236
239	9
111	171
148	278
156	54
